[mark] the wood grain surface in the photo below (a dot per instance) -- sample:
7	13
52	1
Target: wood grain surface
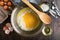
14	36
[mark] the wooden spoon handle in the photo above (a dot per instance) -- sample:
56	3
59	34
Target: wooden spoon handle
44	17
31	6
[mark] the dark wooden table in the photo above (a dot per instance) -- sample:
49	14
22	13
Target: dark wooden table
14	36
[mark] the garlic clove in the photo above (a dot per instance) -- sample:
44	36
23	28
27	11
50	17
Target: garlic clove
10	28
8	24
5	28
7	31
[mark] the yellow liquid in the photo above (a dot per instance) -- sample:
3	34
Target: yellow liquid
30	20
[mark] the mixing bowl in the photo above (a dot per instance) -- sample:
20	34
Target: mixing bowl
19	30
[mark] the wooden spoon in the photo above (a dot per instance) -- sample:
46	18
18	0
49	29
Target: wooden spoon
43	16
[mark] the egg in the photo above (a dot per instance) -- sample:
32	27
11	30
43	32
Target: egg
1	3
5	7
6	0
9	3
27	20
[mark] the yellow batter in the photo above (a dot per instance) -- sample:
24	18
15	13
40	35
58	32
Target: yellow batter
27	20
